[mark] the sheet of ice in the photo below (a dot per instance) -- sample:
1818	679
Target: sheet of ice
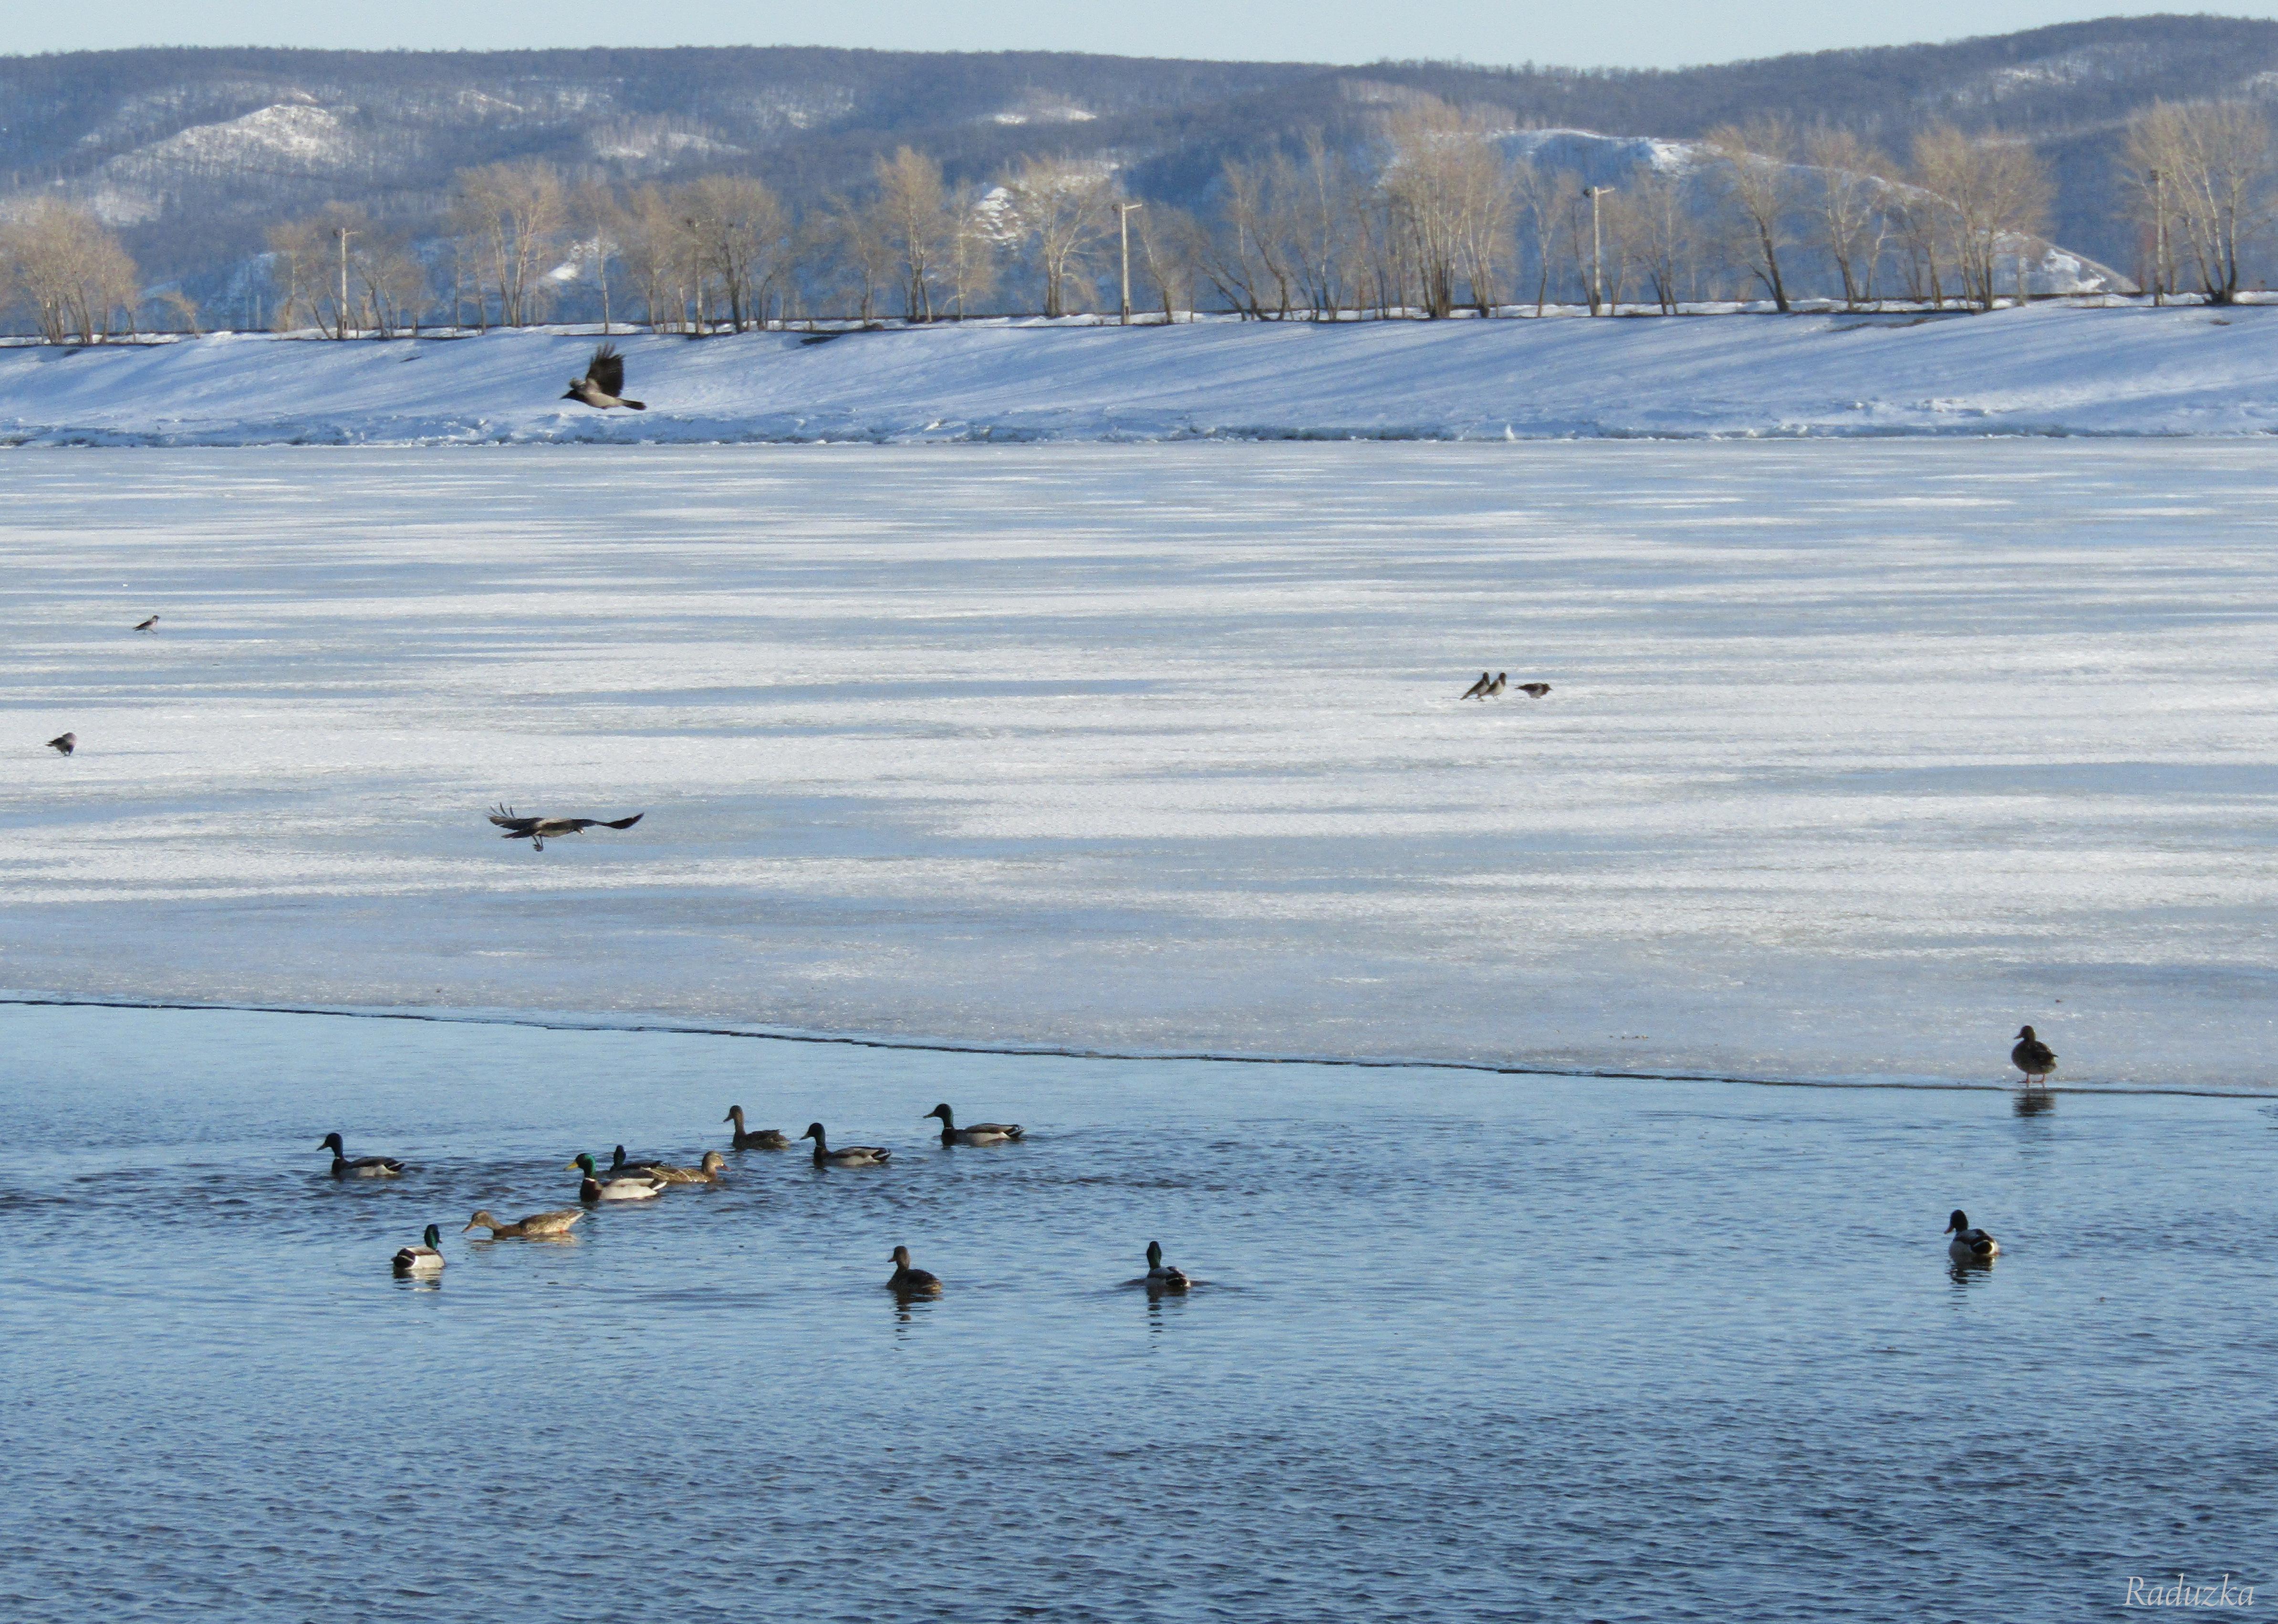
2039	371
1858	755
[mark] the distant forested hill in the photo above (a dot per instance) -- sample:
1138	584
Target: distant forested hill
193	154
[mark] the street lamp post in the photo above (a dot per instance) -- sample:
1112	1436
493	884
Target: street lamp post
2158	237
1123	224
1597	251
340	313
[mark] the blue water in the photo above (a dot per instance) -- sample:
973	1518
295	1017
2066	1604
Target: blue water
1466	1346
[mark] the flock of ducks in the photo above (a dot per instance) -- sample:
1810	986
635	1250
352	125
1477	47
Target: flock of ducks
629	1179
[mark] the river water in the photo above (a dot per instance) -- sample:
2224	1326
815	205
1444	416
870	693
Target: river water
1464	1346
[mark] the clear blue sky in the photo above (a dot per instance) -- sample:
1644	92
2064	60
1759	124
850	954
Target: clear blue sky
1644	33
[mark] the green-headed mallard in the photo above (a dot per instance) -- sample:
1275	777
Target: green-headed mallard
362	1167
1162	1276
706	1172
979	1133
2033	1057
851	1156
637	1187
1969	1245
764	1138
423	1259
538	1226
908	1281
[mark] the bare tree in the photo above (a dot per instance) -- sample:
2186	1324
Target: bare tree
1539	203
512	217
1846	196
1657	218
598	218
1171	247
738	237
659	255
1759	177
1061	208
1446	190
2215	184
975	250
295	263
1998	195
913	217
849	248
68	270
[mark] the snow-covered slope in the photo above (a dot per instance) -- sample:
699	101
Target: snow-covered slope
2040	371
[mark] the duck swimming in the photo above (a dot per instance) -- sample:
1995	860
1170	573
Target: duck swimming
1162	1276
1969	1245
538	1226
362	1167
764	1138
908	1281
979	1133
849	1156
2032	1057
706	1172
637	1188
423	1259
619	1164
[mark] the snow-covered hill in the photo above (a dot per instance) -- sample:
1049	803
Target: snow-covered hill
2040	371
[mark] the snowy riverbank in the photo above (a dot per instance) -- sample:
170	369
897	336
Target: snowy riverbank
2045	370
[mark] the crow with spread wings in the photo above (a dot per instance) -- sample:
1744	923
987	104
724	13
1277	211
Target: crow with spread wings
538	831
604	382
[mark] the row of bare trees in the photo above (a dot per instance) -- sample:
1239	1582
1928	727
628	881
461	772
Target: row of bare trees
1437	215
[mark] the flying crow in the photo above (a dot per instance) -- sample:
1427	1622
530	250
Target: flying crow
64	743
538	831
603	384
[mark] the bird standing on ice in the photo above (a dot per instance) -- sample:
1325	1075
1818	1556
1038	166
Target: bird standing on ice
2033	1057
604	382
64	743
149	625
1476	691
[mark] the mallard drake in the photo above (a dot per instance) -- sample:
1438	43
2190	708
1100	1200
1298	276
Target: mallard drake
538	1226
765	1139
1162	1276
637	1187
2033	1057
423	1259
362	1167
1969	1245
708	1172
909	1281
979	1133
849	1156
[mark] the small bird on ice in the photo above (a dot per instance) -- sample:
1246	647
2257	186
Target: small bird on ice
538	831
149	625
2032	1057
1534	691
604	382
64	743
1496	686
1476	691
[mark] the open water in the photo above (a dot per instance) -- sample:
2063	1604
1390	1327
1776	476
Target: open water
1465	1345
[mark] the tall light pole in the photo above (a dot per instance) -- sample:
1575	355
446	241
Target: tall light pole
1597	251
340	325
2158	236
1123	224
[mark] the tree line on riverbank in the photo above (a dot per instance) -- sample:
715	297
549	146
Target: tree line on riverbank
1447	209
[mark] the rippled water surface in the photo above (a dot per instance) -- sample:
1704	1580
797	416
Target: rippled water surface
1467	1346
